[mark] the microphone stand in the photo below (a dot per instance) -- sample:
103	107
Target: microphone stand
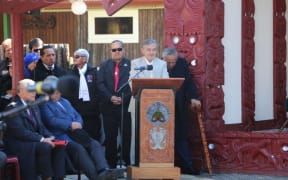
122	114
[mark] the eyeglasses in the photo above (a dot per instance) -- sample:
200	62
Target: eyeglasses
36	50
76	57
116	49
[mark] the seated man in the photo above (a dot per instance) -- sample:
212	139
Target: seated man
65	123
28	139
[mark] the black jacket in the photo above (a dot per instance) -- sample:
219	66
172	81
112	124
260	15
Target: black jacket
106	82
90	107
186	92
40	72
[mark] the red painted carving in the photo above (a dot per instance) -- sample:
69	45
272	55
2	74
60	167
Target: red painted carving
246	152
279	59
214	72
235	151
112	6
16	6
248	62
185	30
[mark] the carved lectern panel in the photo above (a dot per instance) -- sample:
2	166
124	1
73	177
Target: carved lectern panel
157	126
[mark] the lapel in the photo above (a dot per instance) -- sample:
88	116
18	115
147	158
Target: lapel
123	67
59	108
26	116
111	67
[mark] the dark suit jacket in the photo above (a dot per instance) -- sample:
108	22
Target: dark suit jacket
59	120
40	72
89	107
89	110
106	82
21	136
186	92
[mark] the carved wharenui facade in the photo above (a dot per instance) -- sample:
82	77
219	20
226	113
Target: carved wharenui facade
196	29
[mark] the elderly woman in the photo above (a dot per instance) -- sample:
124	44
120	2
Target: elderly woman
86	99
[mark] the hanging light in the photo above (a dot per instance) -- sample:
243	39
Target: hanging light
78	7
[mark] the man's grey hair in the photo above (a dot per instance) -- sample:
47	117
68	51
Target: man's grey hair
169	51
24	83
150	41
118	41
82	52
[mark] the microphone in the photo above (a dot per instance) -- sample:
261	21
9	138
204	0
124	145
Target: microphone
67	85
142	68
43	87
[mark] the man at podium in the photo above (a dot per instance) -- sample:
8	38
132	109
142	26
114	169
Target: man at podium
178	68
147	66
149	59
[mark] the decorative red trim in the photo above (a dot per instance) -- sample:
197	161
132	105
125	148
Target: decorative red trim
279	59
248	62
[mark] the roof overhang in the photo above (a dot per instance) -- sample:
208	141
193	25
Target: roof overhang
22	6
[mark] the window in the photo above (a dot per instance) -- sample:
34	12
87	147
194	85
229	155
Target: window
104	29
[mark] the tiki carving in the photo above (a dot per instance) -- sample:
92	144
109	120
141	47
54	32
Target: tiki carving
279	59
195	28
214	72
248	62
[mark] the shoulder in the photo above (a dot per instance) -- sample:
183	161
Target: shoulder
106	62
159	61
91	69
137	59
125	62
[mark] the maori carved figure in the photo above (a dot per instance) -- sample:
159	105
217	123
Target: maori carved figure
214	103
188	25
214	58
215	62
279	61
248	62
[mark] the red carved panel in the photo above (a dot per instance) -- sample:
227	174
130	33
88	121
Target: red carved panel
16	6
248	62
246	152
214	72
279	59
200	44
112	6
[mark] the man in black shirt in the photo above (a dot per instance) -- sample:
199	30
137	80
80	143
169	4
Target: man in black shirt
46	65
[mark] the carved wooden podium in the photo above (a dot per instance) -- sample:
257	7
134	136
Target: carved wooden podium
154	135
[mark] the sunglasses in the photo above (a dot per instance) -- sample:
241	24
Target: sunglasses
36	50
76	57
116	49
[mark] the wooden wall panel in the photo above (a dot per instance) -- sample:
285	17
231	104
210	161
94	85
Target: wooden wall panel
65	29
73	30
150	26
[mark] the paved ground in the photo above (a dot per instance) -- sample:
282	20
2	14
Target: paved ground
205	176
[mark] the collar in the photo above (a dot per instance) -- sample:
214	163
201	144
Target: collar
83	69
47	67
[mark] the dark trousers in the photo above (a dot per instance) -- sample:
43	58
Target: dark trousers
50	162
90	159
112	123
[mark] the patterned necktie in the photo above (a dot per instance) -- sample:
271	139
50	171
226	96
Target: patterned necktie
32	117
116	76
